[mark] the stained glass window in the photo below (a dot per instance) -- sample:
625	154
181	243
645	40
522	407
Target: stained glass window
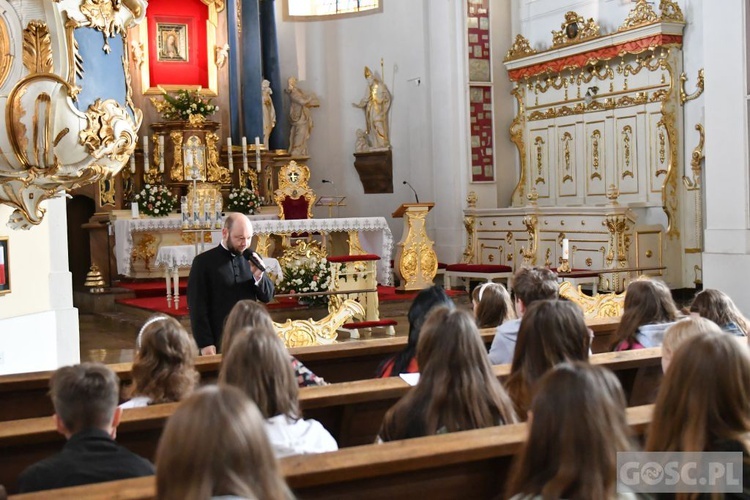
314	8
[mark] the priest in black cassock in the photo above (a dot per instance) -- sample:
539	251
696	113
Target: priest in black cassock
221	277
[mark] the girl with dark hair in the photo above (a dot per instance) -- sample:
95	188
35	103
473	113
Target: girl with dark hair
578	426
164	365
704	403
258	364
720	308
552	331
492	305
457	389
649	310
406	361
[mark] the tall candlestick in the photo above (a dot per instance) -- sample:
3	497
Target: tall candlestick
132	163
244	154
161	153
257	153
565	249
230	160
145	153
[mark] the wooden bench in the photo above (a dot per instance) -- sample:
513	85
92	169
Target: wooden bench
351	411
467	465
25	395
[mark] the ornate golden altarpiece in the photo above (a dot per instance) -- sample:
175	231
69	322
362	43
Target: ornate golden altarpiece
599	134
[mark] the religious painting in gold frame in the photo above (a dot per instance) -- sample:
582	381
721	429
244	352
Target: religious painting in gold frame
4	266
149	84
172	40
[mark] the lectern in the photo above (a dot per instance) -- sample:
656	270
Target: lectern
416	262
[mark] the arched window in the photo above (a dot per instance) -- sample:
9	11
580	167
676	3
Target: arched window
304	9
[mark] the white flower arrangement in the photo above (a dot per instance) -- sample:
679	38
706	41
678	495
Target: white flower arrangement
306	275
156	201
243	200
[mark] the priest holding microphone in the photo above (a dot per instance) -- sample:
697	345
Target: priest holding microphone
221	277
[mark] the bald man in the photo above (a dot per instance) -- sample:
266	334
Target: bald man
221	277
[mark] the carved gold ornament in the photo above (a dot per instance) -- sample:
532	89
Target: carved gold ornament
470	225
532	229
566	138
176	172
105	133
37	48
595	136
696	159
517	127
301	333
700	84
293	182
520	48
216	173
603	305
539	145
670	11
642	14
575	29
627	131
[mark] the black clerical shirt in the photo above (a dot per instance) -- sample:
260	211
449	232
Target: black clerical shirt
218	280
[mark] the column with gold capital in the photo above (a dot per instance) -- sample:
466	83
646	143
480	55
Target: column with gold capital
416	262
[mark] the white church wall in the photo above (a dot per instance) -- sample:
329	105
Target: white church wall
726	261
419	43
38	323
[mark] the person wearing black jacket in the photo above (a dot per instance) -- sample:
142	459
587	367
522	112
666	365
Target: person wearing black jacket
85	398
221	277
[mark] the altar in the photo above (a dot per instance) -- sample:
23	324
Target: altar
137	241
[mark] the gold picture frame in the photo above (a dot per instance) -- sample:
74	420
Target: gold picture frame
212	90
172	42
4	266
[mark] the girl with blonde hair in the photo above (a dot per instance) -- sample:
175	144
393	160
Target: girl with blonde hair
704	402
258	364
213	446
551	332
720	308
249	313
164	366
457	389
681	331
492	305
648	311
578	426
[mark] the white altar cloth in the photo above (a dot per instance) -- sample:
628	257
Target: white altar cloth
374	235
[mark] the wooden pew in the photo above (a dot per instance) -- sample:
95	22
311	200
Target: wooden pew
25	395
467	465
351	411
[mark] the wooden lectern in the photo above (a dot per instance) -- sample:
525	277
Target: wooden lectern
416	262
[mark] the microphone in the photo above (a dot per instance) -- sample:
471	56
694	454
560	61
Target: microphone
416	196
250	255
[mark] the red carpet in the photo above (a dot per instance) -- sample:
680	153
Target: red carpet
151	295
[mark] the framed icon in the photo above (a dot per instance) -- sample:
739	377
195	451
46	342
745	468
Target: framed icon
172	41
4	267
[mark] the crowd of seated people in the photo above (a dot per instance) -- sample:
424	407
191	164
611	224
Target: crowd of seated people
702	404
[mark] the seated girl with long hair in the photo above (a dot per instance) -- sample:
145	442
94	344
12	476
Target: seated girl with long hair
704	401
214	446
682	330
720	308
249	313
577	424
258	364
457	389
406	360
648	311
164	366
492	305
551	332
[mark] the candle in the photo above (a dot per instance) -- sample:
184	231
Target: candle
161	153
257	154
244	154
145	153
134	210
132	163
565	249
230	160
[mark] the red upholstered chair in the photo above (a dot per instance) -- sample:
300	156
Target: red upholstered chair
486	272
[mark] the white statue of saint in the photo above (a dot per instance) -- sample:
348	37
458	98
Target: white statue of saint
300	117
269	112
376	105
